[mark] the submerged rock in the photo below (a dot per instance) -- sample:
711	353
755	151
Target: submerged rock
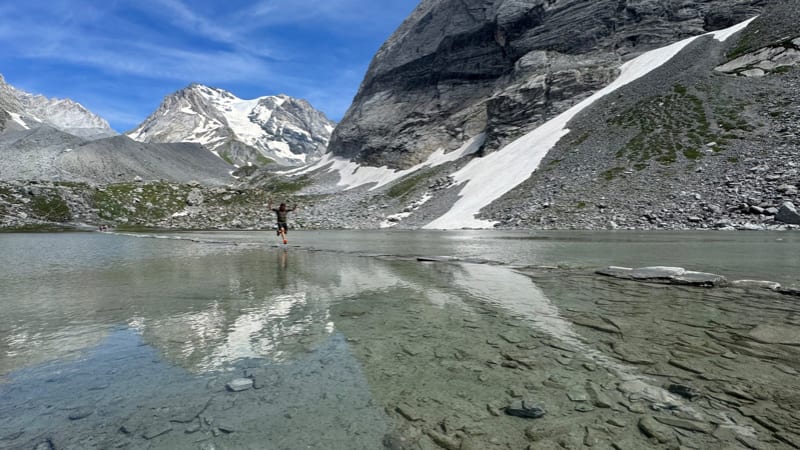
757	284
668	275
525	409
776	334
240	384
653	429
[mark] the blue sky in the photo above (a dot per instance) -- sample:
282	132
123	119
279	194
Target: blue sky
119	58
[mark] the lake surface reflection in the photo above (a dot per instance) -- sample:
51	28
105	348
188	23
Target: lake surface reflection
347	341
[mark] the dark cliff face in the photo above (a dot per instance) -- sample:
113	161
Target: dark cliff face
456	68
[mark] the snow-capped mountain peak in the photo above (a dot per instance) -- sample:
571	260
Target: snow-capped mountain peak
30	111
257	131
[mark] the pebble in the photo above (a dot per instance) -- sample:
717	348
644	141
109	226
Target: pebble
525	409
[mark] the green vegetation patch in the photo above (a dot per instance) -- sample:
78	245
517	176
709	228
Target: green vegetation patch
408	184
37	228
610	174
140	202
50	206
226	157
678	125
262	160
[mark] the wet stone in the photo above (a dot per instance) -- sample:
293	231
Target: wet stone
239	384
155	431
757	284
656	273
193	428
226	427
510	338
685	365
776	334
684	391
444	441
685	424
525	409
578	396
584	408
596	325
652	429
700	279
408	413
617	422
81	413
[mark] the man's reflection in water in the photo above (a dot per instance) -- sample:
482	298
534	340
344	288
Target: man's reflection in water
282	267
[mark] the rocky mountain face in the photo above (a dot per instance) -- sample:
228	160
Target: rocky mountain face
707	141
456	68
61	141
22	110
242	132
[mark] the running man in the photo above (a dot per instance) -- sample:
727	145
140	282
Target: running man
283	222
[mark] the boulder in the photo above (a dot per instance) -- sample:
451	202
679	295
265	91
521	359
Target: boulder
788	214
195	198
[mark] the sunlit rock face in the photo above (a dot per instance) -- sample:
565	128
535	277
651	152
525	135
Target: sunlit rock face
456	68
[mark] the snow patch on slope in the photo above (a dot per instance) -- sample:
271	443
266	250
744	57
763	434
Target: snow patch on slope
487	179
351	174
17	118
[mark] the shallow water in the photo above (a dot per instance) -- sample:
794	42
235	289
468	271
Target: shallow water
111	340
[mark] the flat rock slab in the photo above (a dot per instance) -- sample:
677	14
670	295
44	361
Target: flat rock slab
757	284
700	279
776	334
656	273
616	272
652	429
663	274
157	430
240	384
684	424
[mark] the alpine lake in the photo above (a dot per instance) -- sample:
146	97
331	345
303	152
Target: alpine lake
397	340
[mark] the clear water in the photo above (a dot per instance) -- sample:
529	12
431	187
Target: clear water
111	340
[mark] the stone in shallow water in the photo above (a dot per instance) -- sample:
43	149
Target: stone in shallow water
653	429
757	284
700	279
657	273
157	430
81	413
684	391
776	334
684	424
240	384
525	409
616	272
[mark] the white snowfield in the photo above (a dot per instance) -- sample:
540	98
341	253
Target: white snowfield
487	179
